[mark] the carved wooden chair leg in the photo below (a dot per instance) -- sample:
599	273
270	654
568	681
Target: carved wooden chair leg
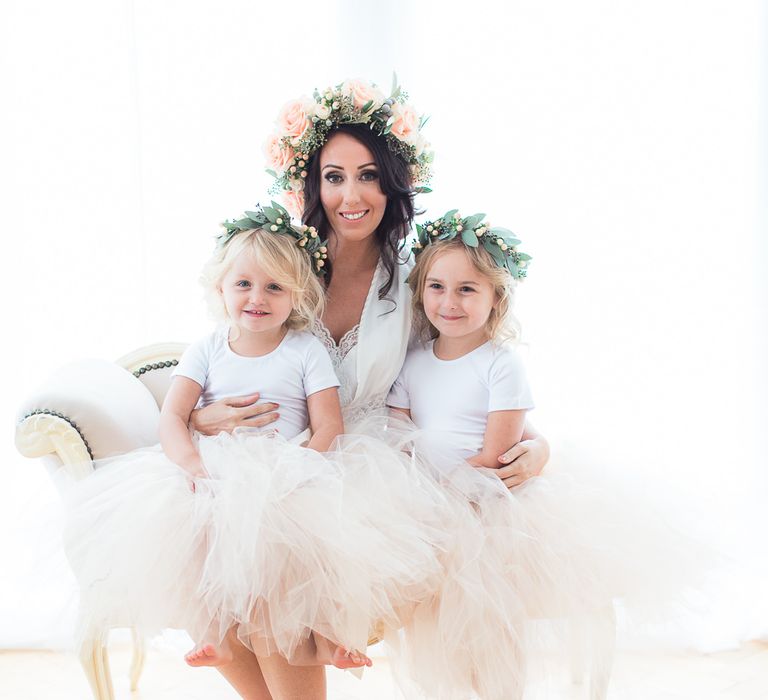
95	663
137	661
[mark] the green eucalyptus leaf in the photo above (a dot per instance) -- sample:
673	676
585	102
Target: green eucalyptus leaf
367	106
448	216
423	190
272	214
474	220
502	232
271	172
495	251
524	256
244	224
469	238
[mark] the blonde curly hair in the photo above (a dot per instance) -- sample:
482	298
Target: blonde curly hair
281	258
502	326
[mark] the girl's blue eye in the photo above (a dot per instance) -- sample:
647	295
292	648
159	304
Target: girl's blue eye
242	283
467	289
435	285
274	287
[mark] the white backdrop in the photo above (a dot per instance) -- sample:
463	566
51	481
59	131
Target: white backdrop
624	142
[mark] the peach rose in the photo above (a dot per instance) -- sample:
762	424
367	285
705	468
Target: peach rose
405	126
362	93
279	156
293	120
294	203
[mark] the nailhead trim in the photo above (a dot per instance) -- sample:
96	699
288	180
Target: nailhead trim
155	365
55	414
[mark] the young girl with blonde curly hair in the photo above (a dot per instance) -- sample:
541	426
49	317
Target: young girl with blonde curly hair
277	536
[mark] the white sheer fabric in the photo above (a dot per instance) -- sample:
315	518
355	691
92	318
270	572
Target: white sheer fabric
369	356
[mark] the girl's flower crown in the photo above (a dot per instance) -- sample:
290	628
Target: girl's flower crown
303	126
276	220
501	243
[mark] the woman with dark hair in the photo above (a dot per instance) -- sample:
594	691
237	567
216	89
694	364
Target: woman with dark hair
350	162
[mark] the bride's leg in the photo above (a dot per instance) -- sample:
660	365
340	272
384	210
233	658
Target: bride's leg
288	682
243	673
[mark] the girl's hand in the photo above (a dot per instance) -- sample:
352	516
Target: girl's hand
526	459
228	414
195	470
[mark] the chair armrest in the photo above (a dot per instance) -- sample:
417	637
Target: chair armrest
86	411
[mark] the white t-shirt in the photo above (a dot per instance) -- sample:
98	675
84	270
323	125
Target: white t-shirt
295	369
452	398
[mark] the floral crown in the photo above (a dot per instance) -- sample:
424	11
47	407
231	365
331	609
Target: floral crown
303	126
501	243
276	220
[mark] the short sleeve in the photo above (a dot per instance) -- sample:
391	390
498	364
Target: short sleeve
318	368
398	394
195	361
508	388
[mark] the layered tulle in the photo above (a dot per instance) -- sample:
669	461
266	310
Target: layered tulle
283	544
134	535
533	571
306	543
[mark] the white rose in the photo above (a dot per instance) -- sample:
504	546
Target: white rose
322	111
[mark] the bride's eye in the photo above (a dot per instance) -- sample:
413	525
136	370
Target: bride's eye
333	178
369	176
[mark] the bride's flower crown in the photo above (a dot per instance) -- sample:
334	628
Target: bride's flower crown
303	126
501	243
275	219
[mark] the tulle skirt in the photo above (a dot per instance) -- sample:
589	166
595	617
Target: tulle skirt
535	571
281	543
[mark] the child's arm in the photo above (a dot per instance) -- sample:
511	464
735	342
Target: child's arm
502	428
174	433
325	418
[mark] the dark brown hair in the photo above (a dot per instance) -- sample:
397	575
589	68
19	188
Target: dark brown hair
395	182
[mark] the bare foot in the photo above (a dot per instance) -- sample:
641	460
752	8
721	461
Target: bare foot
349	659
208	655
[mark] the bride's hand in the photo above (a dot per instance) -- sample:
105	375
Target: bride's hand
228	414
526	459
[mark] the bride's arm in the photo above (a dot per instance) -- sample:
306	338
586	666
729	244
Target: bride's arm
525	459
227	414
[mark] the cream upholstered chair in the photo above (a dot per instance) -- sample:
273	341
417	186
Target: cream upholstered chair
89	410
